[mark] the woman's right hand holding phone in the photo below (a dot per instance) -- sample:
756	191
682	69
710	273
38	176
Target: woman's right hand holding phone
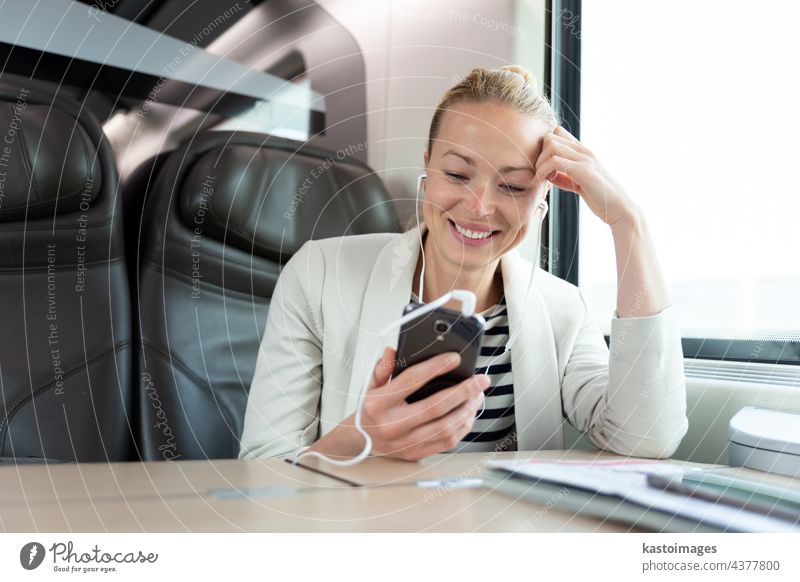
428	426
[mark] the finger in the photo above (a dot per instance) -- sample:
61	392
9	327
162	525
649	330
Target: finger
563	132
415	377
444	432
383	368
406	438
553	165
565	174
401	419
439	404
561	180
555	145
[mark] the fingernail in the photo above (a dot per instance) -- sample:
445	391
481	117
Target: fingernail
484	381
453	359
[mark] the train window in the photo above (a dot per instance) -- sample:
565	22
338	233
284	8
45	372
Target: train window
697	118
261	117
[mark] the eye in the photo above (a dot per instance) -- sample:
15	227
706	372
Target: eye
511	188
456	176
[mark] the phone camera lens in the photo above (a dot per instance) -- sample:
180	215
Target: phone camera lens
441	326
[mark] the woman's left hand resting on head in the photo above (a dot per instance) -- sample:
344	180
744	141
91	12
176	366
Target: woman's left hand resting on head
569	165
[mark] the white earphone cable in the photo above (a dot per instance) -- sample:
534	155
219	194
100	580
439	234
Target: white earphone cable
420	180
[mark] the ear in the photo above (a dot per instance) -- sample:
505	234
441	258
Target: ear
425	159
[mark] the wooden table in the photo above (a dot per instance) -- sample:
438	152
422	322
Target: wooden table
379	495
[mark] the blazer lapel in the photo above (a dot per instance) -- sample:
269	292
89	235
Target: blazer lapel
534	367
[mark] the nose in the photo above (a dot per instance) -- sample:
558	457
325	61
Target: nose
480	200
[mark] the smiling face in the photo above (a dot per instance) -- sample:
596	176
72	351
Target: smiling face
480	188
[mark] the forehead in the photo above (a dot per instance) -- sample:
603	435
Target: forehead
491	132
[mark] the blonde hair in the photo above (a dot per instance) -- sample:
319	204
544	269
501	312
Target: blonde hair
511	85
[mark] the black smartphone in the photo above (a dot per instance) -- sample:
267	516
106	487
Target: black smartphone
436	332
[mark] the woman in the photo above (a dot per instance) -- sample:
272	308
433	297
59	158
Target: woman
493	151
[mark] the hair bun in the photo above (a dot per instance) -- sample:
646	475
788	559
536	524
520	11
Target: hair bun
523	72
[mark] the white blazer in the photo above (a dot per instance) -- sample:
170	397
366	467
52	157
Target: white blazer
335	295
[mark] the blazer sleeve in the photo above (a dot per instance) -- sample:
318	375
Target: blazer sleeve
282	412
629	399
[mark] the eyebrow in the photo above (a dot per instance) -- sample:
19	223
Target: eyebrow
502	170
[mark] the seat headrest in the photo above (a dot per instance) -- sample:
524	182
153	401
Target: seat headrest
271	200
48	163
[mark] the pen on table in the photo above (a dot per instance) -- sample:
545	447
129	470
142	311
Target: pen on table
699	492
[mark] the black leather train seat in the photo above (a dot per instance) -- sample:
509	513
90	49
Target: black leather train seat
65	323
225	212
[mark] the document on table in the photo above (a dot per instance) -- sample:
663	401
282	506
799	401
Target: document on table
626	483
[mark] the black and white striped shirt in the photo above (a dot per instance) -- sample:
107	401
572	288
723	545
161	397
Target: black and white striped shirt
494	428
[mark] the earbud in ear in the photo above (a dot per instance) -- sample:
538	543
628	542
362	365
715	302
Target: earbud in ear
542	208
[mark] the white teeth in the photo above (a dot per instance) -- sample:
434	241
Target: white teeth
472	233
